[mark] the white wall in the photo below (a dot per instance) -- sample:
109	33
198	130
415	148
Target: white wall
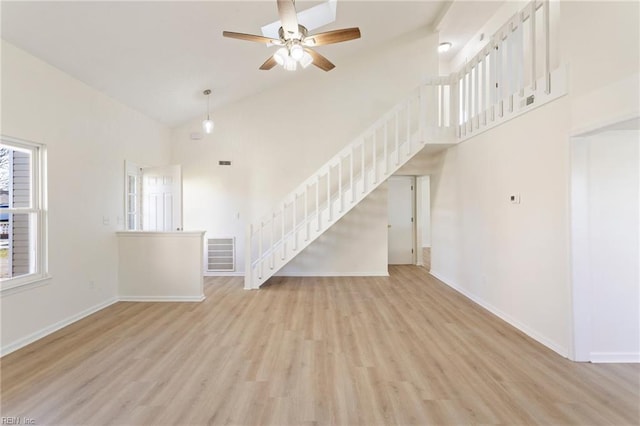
511	258
88	137
601	43
160	266
278	138
606	197
515	259
350	247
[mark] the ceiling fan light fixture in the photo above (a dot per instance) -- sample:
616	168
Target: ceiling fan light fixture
296	52
290	64
294	40
281	55
306	60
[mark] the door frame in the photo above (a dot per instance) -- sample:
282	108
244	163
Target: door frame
415	238
133	169
419	215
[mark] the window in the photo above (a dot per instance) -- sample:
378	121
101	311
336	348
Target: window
23	218
133	204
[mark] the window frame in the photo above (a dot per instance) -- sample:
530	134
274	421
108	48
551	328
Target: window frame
38	208
135	171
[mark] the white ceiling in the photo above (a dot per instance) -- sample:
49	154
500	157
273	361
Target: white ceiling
158	57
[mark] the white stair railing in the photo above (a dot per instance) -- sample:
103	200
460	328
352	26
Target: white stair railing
511	75
340	184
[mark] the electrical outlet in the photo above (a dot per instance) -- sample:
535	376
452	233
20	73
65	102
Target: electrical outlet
514	198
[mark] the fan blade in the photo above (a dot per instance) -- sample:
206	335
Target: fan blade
250	37
268	64
331	37
288	18
320	61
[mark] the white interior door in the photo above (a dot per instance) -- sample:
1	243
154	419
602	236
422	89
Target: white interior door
162	198
401	219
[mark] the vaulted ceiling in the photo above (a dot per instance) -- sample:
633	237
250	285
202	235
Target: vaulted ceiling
158	57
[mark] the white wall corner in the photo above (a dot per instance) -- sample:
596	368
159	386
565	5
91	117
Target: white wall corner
20	343
535	335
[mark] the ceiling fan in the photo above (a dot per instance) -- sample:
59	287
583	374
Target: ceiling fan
295	42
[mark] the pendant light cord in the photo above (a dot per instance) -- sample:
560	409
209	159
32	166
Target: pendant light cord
208	105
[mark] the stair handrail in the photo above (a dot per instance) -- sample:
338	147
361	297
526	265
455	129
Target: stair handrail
417	95
355	143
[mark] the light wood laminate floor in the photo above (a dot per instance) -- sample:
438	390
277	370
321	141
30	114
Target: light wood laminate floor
310	351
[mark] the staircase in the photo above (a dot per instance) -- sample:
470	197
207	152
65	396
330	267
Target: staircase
336	187
489	90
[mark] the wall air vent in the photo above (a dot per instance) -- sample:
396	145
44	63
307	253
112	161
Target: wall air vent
221	255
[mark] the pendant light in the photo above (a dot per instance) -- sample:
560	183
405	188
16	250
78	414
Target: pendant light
207	125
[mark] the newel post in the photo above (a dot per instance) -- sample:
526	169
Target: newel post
248	281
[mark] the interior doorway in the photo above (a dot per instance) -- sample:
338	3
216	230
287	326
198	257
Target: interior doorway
401	213
605	235
153	198
161	198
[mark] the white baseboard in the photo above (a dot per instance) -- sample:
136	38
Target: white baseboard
559	349
5	350
615	357
12	347
223	274
332	274
161	298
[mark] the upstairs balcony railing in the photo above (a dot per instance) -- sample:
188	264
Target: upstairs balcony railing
513	73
